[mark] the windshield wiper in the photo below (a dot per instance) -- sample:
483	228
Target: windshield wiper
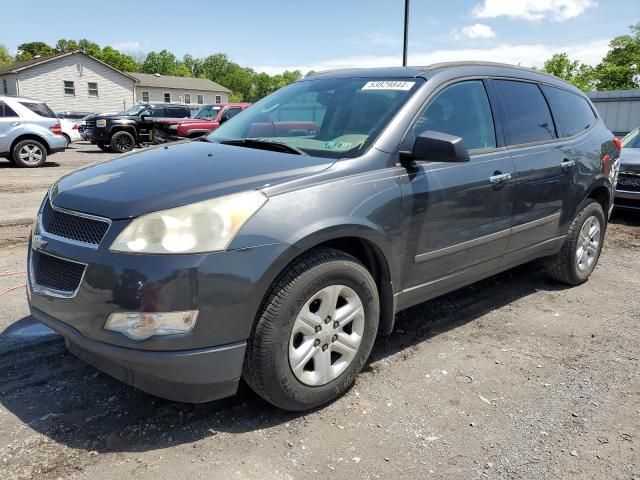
265	145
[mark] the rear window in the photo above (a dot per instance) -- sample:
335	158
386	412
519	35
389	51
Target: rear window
39	109
572	112
6	110
528	116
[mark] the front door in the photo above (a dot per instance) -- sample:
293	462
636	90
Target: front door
9	123
459	214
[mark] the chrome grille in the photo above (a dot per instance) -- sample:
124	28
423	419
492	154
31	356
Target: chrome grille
628	182
73	226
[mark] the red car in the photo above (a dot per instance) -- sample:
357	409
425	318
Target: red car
208	118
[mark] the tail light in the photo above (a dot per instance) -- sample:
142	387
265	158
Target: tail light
75	126
56	129
617	143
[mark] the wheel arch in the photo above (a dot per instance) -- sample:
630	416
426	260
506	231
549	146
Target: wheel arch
30	136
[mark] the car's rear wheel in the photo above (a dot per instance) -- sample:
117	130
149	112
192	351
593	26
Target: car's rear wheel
104	147
582	246
315	332
67	138
122	142
29	154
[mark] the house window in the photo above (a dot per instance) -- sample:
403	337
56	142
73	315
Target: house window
200	99
218	99
187	98
5	87
145	96
93	89
69	88
167	97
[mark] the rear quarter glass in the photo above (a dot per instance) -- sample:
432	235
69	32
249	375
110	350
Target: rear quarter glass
39	109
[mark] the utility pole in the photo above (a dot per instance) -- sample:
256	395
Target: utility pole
406	33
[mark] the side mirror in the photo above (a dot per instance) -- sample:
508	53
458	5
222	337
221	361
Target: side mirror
223	119
438	147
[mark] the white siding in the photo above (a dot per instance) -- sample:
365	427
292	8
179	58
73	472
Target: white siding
46	82
11	84
177	96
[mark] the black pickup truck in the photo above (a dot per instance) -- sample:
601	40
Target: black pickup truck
121	132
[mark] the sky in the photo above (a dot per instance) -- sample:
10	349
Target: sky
276	35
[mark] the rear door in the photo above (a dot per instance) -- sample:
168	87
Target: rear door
543	187
10	123
459	213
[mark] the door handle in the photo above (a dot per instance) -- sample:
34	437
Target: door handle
15	124
498	178
567	164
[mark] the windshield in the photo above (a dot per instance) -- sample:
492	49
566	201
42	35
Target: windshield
135	110
632	140
336	118
210	111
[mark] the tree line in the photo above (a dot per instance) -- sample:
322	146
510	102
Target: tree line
246	84
619	69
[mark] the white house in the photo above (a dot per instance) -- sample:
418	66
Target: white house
70	81
78	82
186	90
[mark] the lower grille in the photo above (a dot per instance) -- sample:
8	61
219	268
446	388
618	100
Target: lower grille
55	273
630	183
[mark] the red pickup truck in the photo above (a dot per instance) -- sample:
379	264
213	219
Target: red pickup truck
208	118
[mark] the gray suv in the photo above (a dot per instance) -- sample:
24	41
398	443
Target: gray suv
29	131
277	254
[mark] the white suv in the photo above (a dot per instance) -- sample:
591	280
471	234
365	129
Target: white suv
29	131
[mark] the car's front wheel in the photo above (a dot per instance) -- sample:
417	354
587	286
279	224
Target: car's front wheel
315	332
122	142
582	246
29	154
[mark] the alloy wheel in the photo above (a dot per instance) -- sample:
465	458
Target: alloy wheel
30	154
326	335
588	243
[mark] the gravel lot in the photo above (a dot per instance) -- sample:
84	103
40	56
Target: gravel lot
514	377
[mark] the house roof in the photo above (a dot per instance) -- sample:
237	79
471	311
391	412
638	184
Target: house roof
18	66
180	83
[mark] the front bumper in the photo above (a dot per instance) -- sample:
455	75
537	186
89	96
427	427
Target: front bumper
626	200
192	376
227	288
98	135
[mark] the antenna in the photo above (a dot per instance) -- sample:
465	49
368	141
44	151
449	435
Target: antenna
406	33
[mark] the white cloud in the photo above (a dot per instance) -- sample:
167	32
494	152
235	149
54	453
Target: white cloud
476	31
558	10
131	46
527	55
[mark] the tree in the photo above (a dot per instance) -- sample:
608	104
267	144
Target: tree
164	63
194	65
119	60
27	51
5	57
88	47
65	46
620	68
580	74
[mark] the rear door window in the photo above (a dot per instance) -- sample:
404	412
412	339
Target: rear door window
462	110
39	109
572	112
6	110
528	119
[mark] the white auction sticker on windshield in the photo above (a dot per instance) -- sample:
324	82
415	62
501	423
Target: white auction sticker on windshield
388	85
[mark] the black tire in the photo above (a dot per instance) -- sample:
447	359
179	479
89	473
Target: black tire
104	148
39	154
563	266
67	138
122	142
267	369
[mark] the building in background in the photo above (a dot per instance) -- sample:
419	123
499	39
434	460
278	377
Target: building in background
619	109
156	88
78	82
70	82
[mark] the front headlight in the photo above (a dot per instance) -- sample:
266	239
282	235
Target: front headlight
207	226
101	123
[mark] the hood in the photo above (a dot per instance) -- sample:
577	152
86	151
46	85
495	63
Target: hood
169	176
630	159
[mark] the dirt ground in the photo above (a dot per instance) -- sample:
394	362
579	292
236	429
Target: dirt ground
512	378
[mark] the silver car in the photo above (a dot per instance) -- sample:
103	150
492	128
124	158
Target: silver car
628	186
29	131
